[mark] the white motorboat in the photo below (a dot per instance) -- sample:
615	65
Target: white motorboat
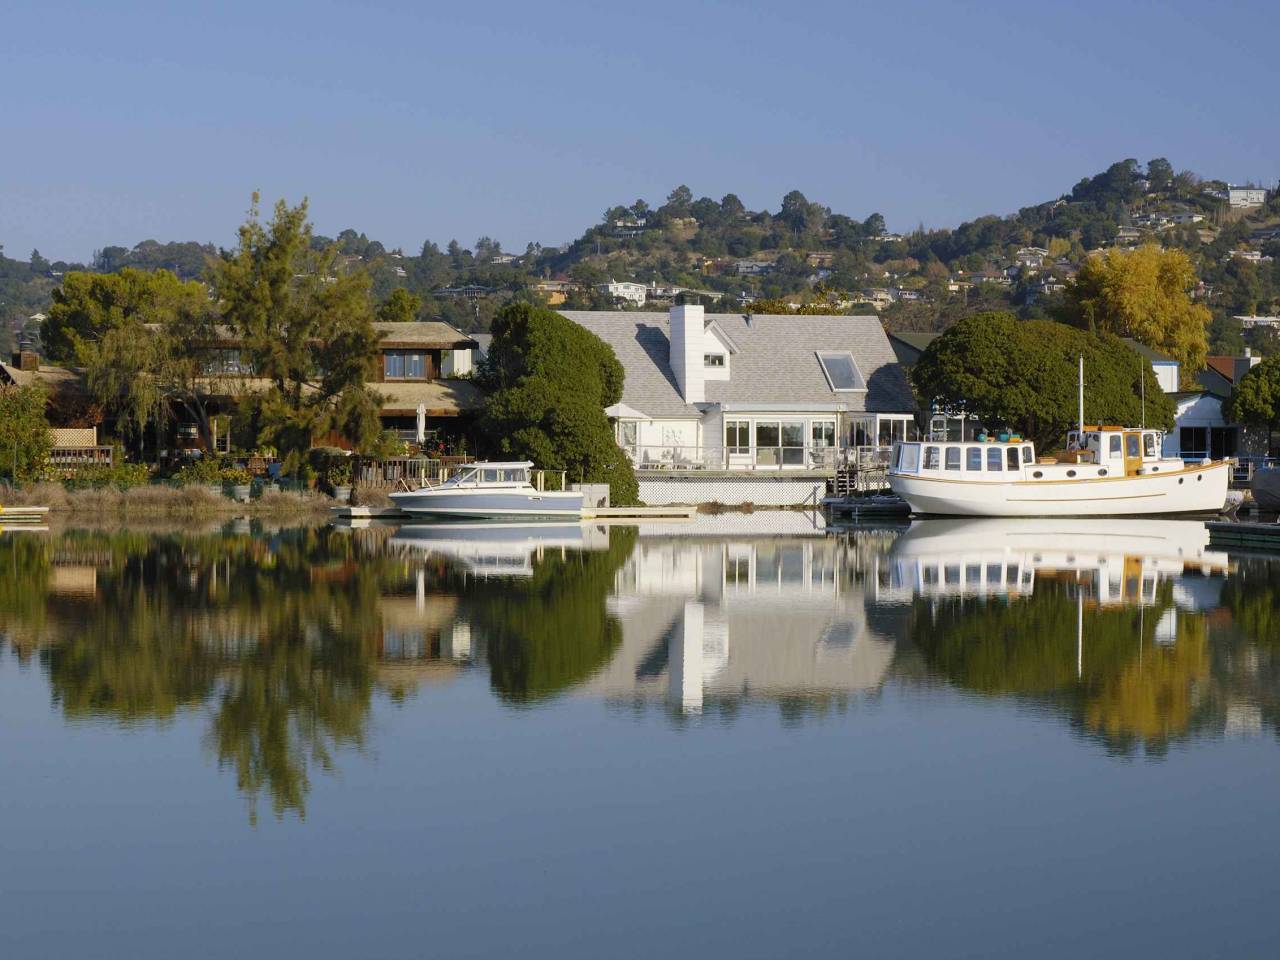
489	490
1106	472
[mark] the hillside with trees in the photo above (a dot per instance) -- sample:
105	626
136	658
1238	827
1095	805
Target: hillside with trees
801	256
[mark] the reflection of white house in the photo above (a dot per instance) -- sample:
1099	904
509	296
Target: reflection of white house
742	392
739	619
1116	561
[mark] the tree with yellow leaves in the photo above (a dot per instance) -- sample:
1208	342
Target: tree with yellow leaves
1144	294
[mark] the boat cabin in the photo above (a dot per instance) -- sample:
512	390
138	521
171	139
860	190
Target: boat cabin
1091	453
515	474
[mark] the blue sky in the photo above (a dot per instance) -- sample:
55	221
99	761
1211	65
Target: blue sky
126	121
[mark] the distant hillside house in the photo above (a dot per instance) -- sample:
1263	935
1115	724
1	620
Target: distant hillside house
1253	322
1241	198
624	290
758	393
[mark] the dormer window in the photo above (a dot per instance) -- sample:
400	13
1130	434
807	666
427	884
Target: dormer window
841	371
713	359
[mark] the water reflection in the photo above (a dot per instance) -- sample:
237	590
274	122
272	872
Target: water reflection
282	643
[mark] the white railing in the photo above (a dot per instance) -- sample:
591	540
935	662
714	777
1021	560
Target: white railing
668	456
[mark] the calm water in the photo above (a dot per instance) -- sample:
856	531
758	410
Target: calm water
746	737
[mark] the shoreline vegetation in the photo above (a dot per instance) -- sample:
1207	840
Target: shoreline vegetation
159	501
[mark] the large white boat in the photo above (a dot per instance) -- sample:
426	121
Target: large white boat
1106	471
489	490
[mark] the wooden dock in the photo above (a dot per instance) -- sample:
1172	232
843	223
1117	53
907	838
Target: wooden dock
1243	535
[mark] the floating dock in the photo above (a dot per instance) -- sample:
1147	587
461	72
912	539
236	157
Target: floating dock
866	508
24	518
1244	535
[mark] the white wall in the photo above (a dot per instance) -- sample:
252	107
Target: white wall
455	363
1167	375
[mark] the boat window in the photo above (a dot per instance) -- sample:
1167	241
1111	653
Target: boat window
490	476
909	459
953	458
467	476
974	458
1131	447
993	458
1115	445
931	458
1013	458
513	476
1026	454
1149	445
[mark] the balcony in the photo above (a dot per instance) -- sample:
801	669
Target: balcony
658	458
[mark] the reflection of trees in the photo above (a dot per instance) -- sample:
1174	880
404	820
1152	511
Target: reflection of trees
552	630
1130	689
276	633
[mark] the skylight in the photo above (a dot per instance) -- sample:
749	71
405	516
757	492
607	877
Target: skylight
841	371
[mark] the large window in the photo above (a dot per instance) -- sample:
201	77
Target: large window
767	436
628	434
737	437
824	433
841	371
713	359
404	365
793	443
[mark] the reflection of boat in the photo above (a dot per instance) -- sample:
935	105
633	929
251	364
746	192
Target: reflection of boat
489	549
489	490
1124	559
1112	472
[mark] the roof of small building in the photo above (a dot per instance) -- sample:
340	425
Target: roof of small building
776	360
426	333
1155	356
442	398
55	378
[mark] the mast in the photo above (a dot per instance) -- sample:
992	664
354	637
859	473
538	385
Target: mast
1082	398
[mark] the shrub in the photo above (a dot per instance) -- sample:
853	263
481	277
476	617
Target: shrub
203	472
119	476
237	476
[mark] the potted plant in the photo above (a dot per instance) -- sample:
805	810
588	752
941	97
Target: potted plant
206	472
240	482
338	477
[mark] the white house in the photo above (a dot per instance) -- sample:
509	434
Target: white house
752	393
1242	197
1249	323
625	290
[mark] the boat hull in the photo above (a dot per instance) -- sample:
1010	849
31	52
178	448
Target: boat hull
489	503
1199	489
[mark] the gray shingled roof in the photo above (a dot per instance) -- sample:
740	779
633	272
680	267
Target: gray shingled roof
776	360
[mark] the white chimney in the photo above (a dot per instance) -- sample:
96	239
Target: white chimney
686	336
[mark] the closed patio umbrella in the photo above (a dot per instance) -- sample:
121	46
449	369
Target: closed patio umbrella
422	422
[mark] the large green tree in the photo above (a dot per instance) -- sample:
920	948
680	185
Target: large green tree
87	306
24	432
1144	294
1255	400
400	307
306	328
551	381
1024	374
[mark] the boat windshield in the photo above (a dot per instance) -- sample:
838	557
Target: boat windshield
466	476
